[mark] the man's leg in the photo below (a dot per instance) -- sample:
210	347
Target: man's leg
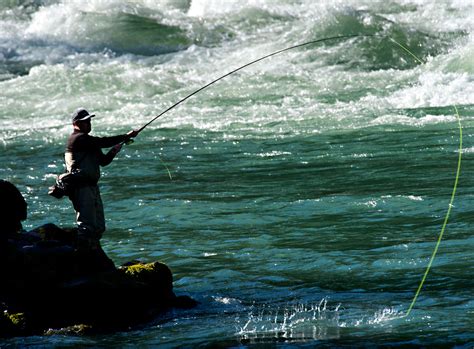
99	214
84	202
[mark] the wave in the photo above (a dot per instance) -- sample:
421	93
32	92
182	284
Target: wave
377	51
70	48
135	30
31	31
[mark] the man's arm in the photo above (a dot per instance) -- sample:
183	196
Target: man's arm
106	159
106	142
85	142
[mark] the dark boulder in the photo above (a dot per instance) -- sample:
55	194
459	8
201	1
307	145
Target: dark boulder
50	285
13	208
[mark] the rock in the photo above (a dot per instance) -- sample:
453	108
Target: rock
77	330
184	302
12	324
12	208
49	283
18	320
79	287
155	276
50	232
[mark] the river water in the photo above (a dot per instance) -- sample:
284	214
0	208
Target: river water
298	200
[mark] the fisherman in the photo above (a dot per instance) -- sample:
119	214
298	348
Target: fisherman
84	155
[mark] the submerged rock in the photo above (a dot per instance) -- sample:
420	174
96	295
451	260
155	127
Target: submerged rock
48	285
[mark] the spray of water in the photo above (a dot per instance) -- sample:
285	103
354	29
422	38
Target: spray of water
293	322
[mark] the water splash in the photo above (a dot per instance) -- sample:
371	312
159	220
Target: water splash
293	322
385	315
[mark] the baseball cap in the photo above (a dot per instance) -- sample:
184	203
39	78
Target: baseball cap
81	114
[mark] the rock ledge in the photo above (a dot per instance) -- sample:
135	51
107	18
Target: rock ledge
49	286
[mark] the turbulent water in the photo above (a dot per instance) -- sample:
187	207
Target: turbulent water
298	200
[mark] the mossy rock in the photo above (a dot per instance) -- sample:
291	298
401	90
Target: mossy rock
49	280
12	324
75	330
155	275
17	319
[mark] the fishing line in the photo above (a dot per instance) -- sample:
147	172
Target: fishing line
453	194
408	51
458	171
167	169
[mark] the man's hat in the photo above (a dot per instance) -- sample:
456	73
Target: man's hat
81	114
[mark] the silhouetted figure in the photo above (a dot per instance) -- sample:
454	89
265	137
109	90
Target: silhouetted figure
84	155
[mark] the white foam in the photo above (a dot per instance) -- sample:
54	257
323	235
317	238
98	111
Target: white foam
436	89
211	8
297	82
461	59
468	150
437	15
79	22
394	119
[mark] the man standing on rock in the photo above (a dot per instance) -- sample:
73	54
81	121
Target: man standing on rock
84	154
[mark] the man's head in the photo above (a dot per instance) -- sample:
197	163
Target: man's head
81	120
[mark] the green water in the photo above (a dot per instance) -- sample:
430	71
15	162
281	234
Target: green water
307	192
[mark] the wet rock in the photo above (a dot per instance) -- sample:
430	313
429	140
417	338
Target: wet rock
12	324
74	287
76	330
155	276
13	208
184	302
49	283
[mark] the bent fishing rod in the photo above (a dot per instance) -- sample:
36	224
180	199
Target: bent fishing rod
340	37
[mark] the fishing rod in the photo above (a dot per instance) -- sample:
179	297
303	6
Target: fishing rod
340	37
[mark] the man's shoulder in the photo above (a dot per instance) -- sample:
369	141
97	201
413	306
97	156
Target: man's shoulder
77	133
77	141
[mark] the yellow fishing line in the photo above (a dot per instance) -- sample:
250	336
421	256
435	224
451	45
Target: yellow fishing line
453	194
433	255
408	51
167	169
